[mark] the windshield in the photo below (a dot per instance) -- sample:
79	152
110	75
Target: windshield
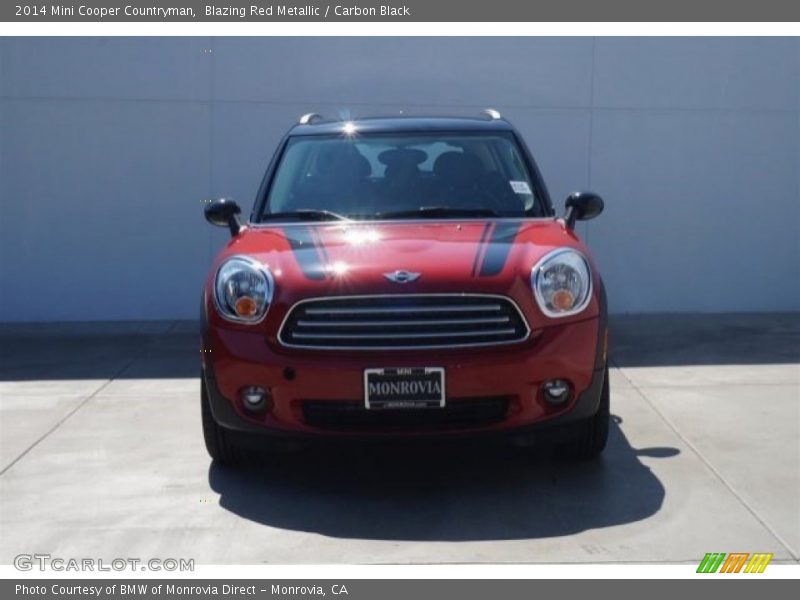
388	176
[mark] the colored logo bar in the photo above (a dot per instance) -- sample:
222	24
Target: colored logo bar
735	562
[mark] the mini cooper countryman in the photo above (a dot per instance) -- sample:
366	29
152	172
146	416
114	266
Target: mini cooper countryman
404	277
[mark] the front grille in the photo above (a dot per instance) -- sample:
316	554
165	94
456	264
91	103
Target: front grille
403	321
352	416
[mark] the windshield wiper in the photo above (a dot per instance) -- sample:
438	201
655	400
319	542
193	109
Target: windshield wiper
306	214
438	211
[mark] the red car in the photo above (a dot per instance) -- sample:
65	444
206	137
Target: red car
404	277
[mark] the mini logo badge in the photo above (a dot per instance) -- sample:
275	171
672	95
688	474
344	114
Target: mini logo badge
402	276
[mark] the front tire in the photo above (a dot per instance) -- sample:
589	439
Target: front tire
592	433
221	447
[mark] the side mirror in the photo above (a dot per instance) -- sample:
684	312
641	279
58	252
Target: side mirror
582	206
224	212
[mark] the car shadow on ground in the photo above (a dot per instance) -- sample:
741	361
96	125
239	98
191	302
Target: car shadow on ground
667	340
443	492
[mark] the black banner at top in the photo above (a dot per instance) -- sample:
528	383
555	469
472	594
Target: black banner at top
401	11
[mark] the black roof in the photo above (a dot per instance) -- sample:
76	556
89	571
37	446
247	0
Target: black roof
396	124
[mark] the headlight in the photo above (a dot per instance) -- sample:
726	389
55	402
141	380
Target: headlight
562	283
243	290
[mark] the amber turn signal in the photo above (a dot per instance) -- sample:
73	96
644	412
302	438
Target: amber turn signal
246	306
562	300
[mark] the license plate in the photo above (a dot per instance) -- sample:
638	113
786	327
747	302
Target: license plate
419	387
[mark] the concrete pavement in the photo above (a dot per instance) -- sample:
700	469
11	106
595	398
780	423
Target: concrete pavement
101	455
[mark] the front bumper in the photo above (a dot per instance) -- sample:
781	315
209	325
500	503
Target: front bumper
515	373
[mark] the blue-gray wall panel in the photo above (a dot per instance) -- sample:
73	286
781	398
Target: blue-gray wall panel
107	147
734	73
548	72
101	215
125	68
701	210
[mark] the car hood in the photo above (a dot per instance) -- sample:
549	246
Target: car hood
312	260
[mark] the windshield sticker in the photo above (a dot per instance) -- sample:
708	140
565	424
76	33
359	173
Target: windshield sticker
520	187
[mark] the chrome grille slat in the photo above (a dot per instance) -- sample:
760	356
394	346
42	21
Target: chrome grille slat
403	321
402	336
410	309
395	323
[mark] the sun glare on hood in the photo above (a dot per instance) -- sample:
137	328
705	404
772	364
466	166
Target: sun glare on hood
360	237
338	268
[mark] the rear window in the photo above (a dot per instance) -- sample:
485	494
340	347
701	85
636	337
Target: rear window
367	176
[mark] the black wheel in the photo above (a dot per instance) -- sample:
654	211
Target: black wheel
591	434
219	444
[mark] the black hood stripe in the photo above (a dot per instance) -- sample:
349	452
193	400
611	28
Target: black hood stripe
479	251
323	252
498	247
305	252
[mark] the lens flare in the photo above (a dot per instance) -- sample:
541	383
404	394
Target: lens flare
338	268
359	237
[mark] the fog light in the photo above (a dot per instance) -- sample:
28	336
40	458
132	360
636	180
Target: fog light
254	398
556	391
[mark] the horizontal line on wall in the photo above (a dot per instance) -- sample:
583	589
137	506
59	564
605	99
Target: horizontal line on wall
339	105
